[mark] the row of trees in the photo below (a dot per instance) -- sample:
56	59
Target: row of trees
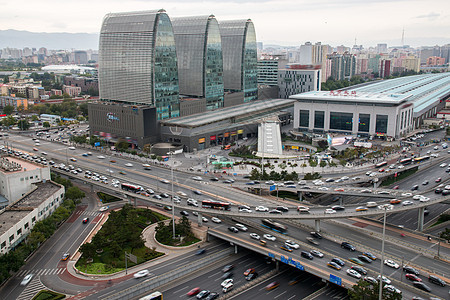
284	175
42	230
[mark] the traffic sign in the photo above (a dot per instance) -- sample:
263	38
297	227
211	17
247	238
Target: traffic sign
272	187
335	279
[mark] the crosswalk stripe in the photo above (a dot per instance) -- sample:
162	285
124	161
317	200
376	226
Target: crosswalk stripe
61	271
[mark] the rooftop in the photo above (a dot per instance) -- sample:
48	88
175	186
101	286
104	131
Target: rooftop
352	96
424	91
22	207
250	108
26	165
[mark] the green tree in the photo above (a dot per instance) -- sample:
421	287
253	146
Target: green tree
88	249
66	96
122	145
83	107
74	193
34	118
323	164
6	79
8	109
366	291
445	234
9	121
23	124
46	124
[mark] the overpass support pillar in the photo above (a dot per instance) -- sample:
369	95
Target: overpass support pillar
277	266
92	188
317	225
199	220
235	249
420	219
341	200
300	196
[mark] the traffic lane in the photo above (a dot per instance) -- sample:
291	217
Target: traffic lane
372	268
212	279
307	285
391	248
158	269
409	219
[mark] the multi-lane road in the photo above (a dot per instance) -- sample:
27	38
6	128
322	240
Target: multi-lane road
185	183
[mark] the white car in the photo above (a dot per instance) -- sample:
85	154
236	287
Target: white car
165	181
385	279
292	244
204	219
216	220
141	274
330	211
417	197
26	279
226	282
100	157
353	273
406	194
302	182
261	208
71	148
443	165
245	210
197	178
128	165
400	167
405	203
270	182
424	199
391	263
240	227
323	188
269	237
254	236
392	289
345	178
104	208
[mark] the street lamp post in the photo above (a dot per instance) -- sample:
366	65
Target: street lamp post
173	208
380	294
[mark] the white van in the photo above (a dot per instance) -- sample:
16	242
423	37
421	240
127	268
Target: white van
371	204
146	166
228	287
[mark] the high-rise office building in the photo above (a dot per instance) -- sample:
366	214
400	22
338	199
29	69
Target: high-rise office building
239	57
200	64
138	62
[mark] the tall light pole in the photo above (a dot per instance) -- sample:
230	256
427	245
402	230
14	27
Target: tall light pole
173	208
380	294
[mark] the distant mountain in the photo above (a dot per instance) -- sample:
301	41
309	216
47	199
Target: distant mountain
54	41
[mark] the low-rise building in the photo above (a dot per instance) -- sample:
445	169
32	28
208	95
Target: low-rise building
17	220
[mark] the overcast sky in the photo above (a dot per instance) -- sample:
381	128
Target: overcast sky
284	22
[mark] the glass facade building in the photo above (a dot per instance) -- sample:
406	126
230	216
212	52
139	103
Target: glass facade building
239	57
200	64
138	62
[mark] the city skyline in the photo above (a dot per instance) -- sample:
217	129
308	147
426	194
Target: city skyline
276	22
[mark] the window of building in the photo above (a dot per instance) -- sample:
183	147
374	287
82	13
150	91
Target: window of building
319	118
341	121
304	118
33	219
381	124
19	232
3	245
26	225
11	238
364	122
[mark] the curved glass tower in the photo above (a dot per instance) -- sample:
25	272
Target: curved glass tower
200	64
138	62
239	57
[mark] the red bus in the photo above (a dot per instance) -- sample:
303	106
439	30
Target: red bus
406	161
208	203
131	187
381	164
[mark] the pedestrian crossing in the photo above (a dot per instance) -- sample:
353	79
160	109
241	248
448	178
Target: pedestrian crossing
41	272
88	213
31	289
